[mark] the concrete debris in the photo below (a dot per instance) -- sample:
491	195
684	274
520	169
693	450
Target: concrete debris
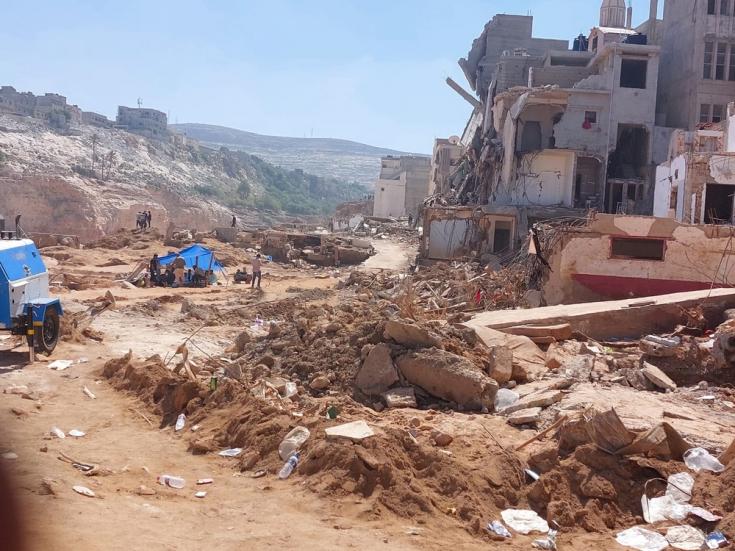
400	398
450	377
377	373
529	416
356	431
529	361
410	335
658	377
537	400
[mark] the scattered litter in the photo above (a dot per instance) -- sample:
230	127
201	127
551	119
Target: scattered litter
704	514
685	537
57	432
355	431
293	441
642	539
548	543
9	456
200	494
680	487
533	475
259	474
195	428
289	466
88	393
498	527
230	452
84	491
663	508
332	413
203	481
698	459
524	521
61	365
171	481
180	422
76	433
716	540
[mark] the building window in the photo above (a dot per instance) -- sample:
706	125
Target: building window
633	73
724	7
704	112
590	117
720	67
709	50
711	7
637	249
594	44
718	113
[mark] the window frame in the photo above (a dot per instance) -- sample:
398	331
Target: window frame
721	61
637	61
613	238
709	58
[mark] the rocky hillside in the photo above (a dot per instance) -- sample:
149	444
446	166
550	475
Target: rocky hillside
95	181
327	157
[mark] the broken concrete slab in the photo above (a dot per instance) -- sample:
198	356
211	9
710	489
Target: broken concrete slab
450	377
537	400
559	332
529	361
377	373
501	364
525	416
608	432
410	335
614	319
356	431
657	377
400	398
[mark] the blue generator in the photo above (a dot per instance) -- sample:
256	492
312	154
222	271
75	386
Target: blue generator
25	305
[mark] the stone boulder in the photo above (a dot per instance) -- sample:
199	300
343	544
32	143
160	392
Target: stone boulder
410	335
377	373
449	377
529	361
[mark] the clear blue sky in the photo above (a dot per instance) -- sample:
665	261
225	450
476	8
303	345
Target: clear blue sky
366	70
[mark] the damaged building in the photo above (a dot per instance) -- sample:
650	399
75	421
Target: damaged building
402	186
558	132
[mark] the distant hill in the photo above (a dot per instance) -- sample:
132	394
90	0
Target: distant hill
342	159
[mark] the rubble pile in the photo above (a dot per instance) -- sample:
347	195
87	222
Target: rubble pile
125	239
438	291
382	228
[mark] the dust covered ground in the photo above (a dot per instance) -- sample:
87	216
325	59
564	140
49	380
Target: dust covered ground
432	476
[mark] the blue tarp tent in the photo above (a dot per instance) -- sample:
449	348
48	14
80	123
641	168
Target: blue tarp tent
196	255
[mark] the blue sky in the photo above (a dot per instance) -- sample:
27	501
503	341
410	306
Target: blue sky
367	70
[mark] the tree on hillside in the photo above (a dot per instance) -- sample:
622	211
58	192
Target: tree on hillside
111	160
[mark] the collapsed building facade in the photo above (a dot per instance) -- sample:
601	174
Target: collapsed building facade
402	186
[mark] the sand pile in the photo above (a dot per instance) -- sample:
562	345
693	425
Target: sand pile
126	239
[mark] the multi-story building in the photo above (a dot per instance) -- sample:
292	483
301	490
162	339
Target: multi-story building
402	186
147	122
444	163
95	119
697	77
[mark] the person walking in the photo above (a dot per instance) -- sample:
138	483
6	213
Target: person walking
256	271
155	269
148	219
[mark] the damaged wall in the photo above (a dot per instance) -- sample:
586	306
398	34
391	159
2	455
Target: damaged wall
630	256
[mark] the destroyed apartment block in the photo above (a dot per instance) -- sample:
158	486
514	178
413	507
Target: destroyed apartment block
697	185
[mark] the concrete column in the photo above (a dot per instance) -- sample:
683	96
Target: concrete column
629	18
652	19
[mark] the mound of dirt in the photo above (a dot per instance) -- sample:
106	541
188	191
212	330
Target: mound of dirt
716	493
126	238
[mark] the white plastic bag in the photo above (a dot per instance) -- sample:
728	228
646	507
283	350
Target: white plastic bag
524	521
642	539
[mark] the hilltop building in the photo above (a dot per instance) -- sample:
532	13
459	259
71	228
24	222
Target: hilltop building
146	122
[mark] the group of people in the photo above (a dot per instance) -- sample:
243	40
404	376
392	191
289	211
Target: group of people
143	220
242	276
176	274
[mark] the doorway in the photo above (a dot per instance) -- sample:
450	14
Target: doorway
718	204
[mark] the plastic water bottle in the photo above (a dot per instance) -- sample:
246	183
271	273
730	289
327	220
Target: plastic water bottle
699	459
293	441
171	481
289	466
180	422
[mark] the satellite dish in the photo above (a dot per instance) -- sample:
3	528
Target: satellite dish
454	140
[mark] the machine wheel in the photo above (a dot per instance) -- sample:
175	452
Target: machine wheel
47	335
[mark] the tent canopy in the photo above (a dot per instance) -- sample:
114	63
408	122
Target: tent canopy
196	255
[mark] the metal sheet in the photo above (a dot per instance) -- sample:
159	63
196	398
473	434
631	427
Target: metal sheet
447	238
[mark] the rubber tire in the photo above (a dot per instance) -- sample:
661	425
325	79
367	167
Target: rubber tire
47	336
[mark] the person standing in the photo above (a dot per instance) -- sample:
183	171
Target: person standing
179	265
155	269
234	221
256	271
149	218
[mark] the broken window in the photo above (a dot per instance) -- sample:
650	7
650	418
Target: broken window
590	117
633	73
720	66
718	113
531	136
674	198
704	112
711	7
718	204
637	249
709	49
